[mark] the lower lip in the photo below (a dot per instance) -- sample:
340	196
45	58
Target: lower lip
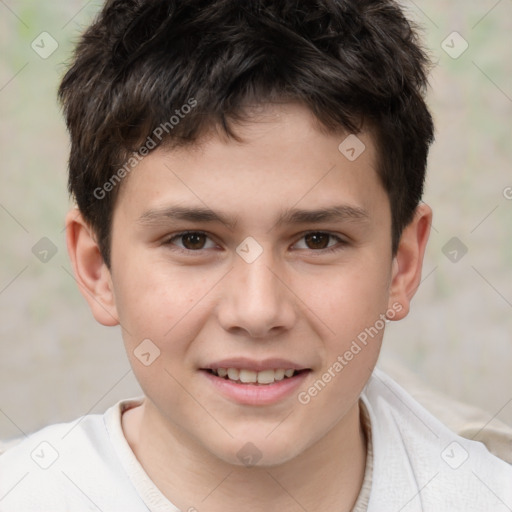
254	394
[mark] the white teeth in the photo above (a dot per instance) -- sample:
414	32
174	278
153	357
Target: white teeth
279	374
247	376
253	377
233	373
266	376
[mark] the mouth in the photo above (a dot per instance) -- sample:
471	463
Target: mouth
263	386
255	378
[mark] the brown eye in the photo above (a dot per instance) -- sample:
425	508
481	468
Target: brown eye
317	240
193	241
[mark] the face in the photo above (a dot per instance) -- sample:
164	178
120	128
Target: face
273	253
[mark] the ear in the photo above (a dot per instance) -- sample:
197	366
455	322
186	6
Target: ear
91	272
408	261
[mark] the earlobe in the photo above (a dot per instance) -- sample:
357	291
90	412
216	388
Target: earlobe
408	261
91	272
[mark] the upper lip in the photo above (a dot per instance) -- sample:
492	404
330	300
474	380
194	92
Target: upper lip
243	363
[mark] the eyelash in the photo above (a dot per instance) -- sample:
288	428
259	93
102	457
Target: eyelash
341	243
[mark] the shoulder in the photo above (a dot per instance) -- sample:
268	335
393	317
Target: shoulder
421	465
66	466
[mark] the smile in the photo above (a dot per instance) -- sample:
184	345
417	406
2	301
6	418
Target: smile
249	387
263	377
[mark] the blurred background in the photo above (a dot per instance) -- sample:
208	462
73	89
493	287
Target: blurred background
57	363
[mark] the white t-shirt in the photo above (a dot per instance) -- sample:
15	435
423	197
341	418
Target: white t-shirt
418	464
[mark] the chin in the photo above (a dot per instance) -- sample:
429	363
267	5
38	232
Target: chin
258	453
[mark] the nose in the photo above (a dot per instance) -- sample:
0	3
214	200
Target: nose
257	300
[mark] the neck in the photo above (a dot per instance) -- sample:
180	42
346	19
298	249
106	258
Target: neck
327	476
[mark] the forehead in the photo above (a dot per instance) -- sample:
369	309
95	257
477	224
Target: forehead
283	160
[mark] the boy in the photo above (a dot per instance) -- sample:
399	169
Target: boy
248	178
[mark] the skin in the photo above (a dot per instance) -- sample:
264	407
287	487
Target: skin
297	301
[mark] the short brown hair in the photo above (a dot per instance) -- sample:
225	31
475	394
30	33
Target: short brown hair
353	63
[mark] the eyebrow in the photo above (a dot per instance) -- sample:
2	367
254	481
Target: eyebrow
341	213
159	216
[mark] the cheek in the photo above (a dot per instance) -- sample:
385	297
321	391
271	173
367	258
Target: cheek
351	304
169	310
155	303
350	299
